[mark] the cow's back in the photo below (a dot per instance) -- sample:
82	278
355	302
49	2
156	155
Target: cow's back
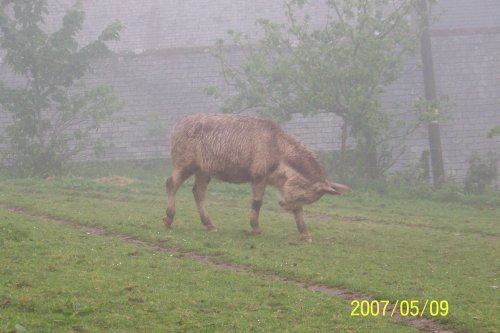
229	147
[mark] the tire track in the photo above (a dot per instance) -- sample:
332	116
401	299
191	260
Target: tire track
422	324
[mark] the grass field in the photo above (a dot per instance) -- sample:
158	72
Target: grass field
56	278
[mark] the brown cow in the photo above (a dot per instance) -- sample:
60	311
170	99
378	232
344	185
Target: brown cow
242	149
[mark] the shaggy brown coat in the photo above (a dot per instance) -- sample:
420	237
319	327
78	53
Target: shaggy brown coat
242	149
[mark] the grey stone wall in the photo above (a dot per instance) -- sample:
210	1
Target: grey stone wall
159	24
467	68
468	71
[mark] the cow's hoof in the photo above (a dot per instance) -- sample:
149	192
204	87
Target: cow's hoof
211	228
257	232
306	237
168	222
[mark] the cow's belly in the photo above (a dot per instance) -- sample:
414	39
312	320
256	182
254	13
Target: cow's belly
233	174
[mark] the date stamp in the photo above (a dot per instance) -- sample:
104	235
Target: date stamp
405	308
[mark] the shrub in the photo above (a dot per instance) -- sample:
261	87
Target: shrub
482	172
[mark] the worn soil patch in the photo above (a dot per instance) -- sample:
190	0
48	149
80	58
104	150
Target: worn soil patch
115	180
421	324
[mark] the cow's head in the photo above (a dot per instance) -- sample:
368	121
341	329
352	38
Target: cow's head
298	192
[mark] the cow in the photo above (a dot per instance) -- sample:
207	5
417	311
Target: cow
244	149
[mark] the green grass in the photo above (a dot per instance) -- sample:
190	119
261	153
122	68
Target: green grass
58	279
385	247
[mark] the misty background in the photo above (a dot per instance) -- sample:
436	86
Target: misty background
162	65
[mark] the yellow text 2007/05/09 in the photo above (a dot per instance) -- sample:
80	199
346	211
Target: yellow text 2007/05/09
405	308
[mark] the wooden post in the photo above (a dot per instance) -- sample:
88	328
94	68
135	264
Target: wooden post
430	95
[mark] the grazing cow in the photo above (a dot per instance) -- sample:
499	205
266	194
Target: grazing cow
242	149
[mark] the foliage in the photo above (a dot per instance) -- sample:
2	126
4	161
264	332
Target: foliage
495	131
430	111
53	113
482	172
340	67
412	182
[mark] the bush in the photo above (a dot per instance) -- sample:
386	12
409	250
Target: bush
482	172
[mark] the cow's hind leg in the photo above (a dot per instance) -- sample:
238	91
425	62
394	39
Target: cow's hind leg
179	176
199	189
258	189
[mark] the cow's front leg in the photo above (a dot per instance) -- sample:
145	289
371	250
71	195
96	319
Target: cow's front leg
258	189
299	219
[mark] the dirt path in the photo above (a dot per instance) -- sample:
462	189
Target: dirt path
421	324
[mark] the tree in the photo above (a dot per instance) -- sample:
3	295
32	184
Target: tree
341	67
53	113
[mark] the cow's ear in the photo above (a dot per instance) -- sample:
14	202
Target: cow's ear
324	188
339	188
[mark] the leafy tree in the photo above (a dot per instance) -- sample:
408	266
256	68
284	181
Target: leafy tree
53	113
340	67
